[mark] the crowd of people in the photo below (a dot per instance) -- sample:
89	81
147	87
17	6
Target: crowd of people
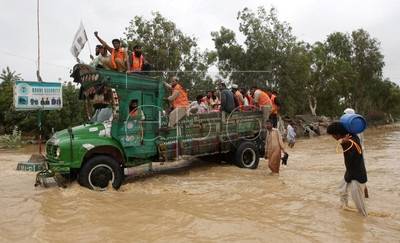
222	100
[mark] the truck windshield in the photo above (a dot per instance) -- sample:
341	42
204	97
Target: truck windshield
101	115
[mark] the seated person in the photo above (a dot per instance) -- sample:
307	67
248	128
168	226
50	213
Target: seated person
102	59
198	106
119	56
212	100
135	112
137	61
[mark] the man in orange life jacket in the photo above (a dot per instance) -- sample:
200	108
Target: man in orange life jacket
137	60
238	97
179	100
275	108
262	101
118	61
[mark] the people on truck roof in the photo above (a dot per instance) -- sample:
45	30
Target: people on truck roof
137	60
102	59
119	56
179	101
97	52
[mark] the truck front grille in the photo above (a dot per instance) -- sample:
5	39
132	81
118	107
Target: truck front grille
51	150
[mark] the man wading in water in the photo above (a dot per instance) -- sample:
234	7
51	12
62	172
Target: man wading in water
274	148
355	176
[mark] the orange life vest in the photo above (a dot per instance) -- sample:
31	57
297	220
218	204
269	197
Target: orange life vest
250	99
120	54
137	63
275	107
263	99
134	113
239	100
182	99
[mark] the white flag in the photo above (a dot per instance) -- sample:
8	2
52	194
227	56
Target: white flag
79	41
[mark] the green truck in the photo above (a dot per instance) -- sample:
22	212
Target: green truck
97	152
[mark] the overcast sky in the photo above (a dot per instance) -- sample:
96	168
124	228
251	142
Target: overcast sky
312	20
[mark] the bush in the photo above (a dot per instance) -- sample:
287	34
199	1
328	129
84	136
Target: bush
11	140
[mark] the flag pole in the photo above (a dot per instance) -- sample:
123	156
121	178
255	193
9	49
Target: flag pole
88	42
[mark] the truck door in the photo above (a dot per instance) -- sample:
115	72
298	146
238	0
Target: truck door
137	130
130	130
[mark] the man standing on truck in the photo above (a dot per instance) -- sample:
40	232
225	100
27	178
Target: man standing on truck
227	100
262	100
178	99
118	61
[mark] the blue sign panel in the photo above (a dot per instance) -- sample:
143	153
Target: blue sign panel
31	95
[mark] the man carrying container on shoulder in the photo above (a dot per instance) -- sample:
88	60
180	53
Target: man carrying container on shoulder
178	99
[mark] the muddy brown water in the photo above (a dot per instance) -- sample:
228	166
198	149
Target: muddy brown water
206	201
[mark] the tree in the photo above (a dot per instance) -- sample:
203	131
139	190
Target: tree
168	49
355	63
270	56
73	112
7	114
367	61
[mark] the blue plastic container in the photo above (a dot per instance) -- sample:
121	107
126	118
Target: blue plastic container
353	123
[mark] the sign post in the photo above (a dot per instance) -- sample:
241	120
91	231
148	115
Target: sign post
36	96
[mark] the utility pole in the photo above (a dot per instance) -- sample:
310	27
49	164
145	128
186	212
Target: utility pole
39	78
38	42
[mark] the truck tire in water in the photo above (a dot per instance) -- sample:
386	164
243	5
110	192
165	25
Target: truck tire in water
99	171
247	156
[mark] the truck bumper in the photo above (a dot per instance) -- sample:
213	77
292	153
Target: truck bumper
58	166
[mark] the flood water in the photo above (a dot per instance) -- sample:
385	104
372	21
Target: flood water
207	201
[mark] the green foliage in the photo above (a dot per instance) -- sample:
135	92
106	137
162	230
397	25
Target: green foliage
169	50
343	71
269	58
12	140
72	113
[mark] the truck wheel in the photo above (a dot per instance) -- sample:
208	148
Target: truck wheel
99	171
247	156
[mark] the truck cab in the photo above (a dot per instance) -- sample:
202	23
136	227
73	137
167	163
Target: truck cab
127	127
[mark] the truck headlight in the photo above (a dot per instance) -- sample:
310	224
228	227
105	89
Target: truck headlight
58	152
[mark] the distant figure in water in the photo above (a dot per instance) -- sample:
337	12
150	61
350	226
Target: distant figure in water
355	176
291	135
274	147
